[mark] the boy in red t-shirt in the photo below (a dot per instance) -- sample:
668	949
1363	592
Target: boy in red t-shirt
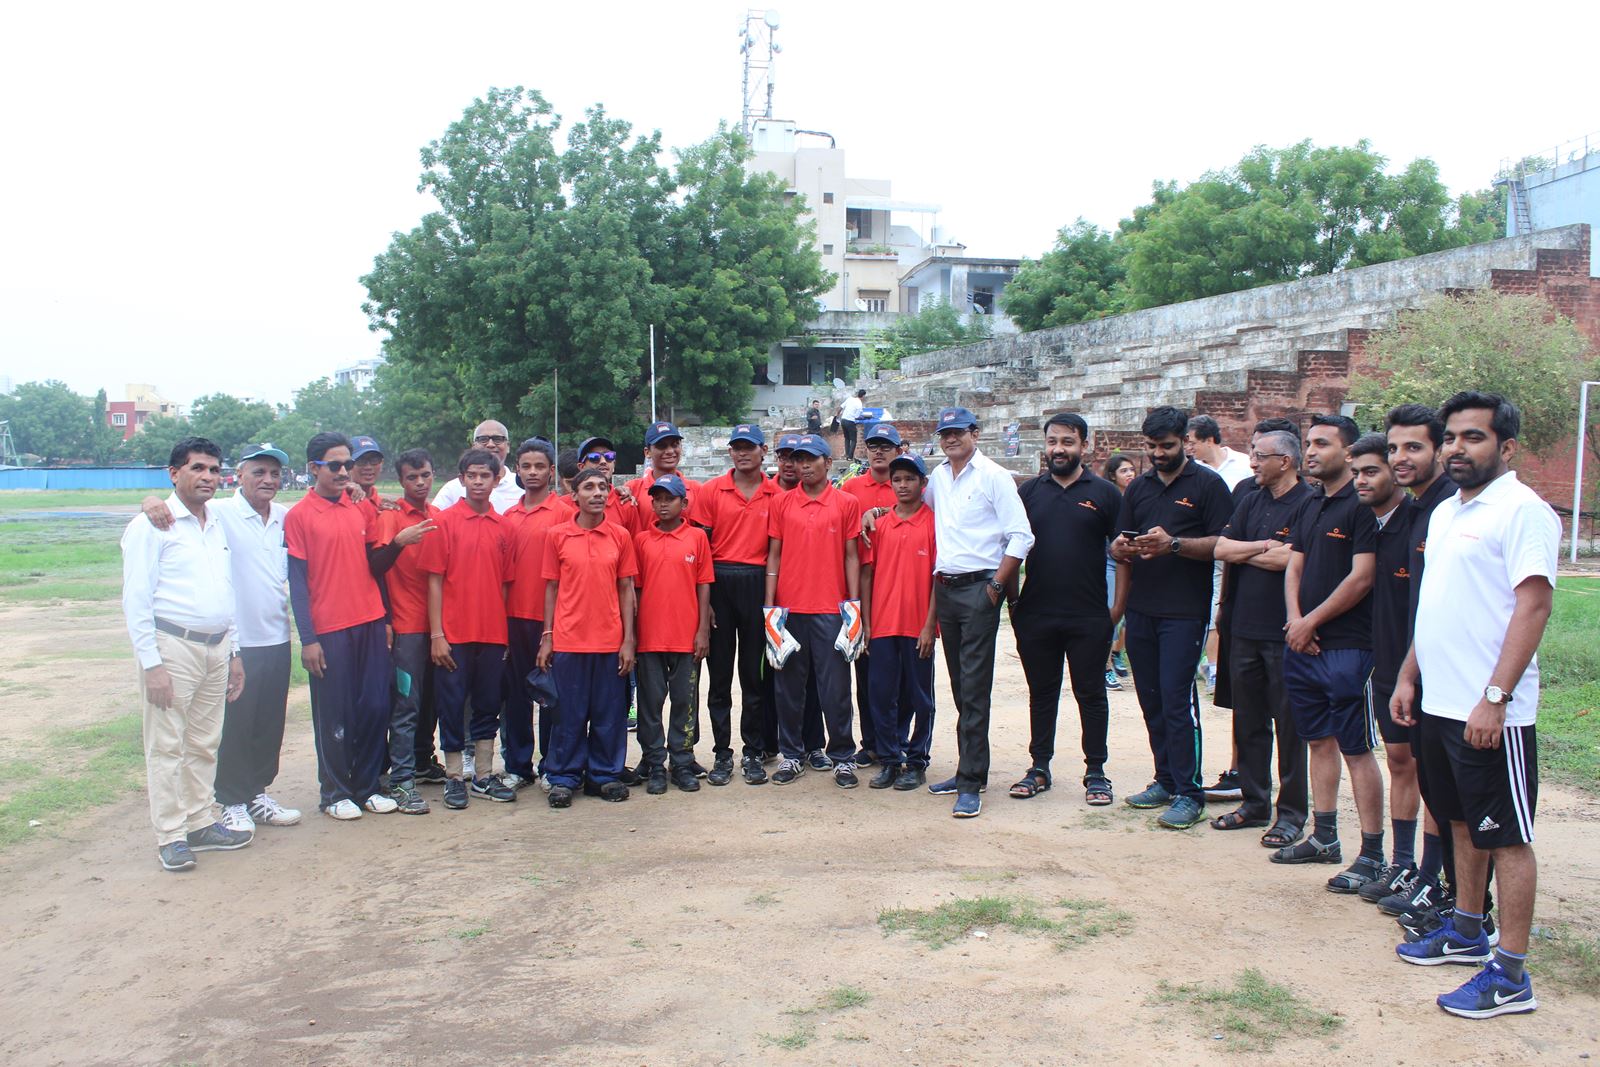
396	548
897	611
589	564
674	573
529	520
872	489
468	561
811	567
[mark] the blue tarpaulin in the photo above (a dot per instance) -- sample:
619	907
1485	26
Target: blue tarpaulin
84	478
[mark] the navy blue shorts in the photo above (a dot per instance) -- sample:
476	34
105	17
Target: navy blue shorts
1331	696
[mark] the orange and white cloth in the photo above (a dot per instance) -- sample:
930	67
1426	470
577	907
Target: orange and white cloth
780	645
852	638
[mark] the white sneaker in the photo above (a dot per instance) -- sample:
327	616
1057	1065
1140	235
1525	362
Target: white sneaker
237	817
379	804
344	809
544	782
266	810
514	781
469	765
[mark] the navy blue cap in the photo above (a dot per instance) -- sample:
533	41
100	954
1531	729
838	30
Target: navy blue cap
788	441
590	442
815	444
660	431
360	446
884	431
911	460
542	689
670	483
747	431
957	419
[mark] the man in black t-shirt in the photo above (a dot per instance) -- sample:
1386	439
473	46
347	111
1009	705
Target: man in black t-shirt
1256	545
1327	667
1168	525
1061	611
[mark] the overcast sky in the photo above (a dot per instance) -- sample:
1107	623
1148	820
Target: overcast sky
192	191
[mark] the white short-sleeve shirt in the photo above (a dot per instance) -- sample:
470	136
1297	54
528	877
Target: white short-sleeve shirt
1477	553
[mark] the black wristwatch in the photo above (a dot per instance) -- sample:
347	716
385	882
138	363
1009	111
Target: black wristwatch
996	586
1177	545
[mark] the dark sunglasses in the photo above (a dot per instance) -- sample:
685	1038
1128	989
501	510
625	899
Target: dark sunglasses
336	465
599	457
490	439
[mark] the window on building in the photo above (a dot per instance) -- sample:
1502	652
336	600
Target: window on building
119	418
858	222
827	198
827	250
873	299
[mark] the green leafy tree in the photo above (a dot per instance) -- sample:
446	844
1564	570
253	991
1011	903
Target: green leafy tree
937	326
1078	279
152	444
1490	341
50	421
318	406
422	407
229	421
103	443
546	263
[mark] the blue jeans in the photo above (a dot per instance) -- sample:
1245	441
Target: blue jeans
902	691
1164	654
589	740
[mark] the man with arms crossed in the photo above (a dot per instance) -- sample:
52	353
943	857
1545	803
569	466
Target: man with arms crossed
1485	599
177	597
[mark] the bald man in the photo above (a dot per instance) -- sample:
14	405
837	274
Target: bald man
491	436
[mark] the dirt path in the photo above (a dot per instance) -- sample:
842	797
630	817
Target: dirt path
708	928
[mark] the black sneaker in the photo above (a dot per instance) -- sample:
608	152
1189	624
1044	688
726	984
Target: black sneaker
844	775
684	779
788	770
176	856
218	838
1423	896
432	773
819	761
699	771
910	778
494	788
885	776
658	781
1394	878
560	796
754	772
455	794
629	776
721	771
865	758
1226	787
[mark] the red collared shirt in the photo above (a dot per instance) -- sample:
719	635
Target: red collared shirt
623	515
672	567
525	598
902	555
407	581
588	564
473	552
640	488
738	526
814	532
332	537
871	494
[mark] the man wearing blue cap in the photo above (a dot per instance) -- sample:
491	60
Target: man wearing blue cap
786	479
663	451
982	534
734	508
368	457
872	489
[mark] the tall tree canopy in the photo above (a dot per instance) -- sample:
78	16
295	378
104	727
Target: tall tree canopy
548	257
49	420
230	422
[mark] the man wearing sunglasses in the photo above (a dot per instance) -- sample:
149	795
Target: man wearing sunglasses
491	436
598	453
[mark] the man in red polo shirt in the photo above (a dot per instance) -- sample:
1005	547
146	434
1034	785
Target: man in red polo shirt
599	454
663	451
872	489
811	567
468	564
674	583
368	457
397	549
589	566
734	507
529	520
339	613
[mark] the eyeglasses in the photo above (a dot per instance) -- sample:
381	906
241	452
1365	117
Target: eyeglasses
490	439
880	446
599	457
336	465
1268	455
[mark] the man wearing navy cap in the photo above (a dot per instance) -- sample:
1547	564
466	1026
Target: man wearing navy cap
663	451
871	487
368	457
982	534
787	478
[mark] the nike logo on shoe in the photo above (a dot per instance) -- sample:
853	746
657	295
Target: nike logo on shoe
1457	950
1499	1000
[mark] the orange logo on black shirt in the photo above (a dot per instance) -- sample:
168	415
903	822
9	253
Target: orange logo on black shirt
1088	504
1282	533
1402	573
1183	502
1422	545
1338	534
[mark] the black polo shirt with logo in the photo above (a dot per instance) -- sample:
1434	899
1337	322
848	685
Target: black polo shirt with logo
1332	531
1391	596
1441	490
1066	569
1258	611
1196	504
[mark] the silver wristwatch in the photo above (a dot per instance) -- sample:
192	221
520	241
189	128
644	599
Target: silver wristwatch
1495	695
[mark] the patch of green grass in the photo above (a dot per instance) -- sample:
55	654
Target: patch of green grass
954	919
1569	671
114	766
47	560
841	998
1569	654
1252	1014
799	1036
990	876
470	933
1568	958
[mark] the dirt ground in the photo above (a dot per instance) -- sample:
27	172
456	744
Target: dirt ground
704	927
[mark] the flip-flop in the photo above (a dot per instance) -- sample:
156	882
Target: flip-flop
1282	835
1097	790
1036	781
1236	820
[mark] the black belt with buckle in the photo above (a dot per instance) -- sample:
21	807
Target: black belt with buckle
956	581
189	635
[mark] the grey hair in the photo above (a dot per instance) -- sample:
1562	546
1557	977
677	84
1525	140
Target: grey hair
1284	442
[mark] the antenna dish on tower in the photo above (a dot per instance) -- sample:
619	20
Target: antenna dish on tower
757	46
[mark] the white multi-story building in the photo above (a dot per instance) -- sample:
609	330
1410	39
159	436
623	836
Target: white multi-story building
359	373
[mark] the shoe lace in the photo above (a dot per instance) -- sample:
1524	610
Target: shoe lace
790	765
844	766
267	805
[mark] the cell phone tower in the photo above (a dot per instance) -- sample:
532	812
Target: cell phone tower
757	46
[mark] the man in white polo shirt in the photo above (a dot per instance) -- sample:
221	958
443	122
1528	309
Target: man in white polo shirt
492	437
1485	599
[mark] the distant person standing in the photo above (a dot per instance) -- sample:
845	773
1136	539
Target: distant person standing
814	418
177	598
849	416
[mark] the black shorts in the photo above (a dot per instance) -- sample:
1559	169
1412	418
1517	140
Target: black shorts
1330	695
1493	791
1391	732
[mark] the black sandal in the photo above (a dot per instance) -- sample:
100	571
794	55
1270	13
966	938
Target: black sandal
1308	851
1237	819
1097	790
1036	781
1282	835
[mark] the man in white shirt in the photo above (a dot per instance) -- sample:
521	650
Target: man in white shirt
1203	442
491	436
849	417
177	598
1486	596
982	535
